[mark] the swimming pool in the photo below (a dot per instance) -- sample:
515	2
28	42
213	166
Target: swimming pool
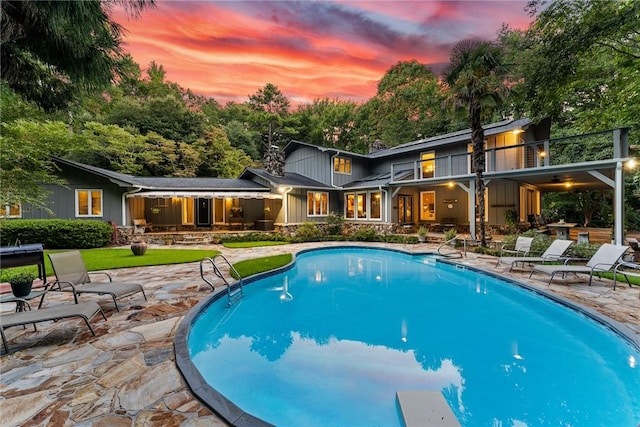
331	340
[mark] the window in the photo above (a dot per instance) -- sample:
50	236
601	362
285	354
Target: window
317	203
376	205
358	204
187	211
428	164
342	165
88	203
11	211
428	205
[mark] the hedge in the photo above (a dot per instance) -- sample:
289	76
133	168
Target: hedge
56	233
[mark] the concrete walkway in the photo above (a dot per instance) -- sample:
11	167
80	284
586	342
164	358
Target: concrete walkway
125	376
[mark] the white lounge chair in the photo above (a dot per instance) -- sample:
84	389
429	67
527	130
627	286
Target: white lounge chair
605	259
521	248
554	252
72	276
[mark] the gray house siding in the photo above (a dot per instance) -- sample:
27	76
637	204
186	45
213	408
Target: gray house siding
61	200
310	162
297	206
359	170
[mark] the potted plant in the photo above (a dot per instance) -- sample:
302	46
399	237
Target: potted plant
21	283
422	234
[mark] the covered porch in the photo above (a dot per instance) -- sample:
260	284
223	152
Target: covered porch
190	211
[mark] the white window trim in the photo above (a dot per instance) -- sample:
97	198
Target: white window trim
434	206
367	202
422	161
8	211
89	215
346	159
369	198
321	214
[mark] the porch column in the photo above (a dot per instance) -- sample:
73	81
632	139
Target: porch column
618	204
471	197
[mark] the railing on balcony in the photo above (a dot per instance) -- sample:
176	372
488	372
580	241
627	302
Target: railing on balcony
592	147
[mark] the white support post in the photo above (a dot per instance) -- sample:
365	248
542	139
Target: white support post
618	202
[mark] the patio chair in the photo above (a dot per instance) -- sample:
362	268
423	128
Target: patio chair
85	310
521	248
626	269
72	276
604	260
554	252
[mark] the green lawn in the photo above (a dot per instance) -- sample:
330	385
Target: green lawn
109	258
258	265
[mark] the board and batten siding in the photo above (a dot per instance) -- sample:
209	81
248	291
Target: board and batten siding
310	162
503	196
61	200
359	170
297	206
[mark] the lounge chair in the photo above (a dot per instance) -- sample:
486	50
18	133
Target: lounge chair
554	252
626	269
72	276
85	310
605	259
521	248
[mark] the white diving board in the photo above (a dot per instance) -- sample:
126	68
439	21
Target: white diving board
425	408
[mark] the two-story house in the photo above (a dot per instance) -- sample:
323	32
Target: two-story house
429	181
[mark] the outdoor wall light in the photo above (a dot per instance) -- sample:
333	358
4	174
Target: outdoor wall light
451	184
631	164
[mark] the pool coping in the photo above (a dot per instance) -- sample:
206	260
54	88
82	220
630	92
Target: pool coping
234	415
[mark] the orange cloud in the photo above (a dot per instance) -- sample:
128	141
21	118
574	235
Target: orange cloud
229	50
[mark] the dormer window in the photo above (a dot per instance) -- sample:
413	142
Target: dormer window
342	165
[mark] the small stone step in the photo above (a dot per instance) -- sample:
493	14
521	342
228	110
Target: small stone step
425	408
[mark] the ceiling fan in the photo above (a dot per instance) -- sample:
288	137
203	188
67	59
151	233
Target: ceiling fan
556	180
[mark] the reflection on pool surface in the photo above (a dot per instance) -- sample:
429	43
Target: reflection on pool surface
330	341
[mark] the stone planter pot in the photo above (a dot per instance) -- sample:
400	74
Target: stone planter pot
139	248
422	239
21	289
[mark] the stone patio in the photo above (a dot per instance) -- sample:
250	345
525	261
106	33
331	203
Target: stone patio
125	376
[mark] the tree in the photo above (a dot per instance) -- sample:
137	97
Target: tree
218	158
408	104
53	49
330	123
26	148
272	105
476	77
579	62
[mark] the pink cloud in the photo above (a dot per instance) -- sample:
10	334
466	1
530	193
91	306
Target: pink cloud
310	50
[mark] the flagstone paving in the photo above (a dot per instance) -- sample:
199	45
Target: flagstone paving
125	376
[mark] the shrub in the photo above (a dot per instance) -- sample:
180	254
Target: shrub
254	237
450	234
307	232
335	224
365	234
57	233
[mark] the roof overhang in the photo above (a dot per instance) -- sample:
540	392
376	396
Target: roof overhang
205	195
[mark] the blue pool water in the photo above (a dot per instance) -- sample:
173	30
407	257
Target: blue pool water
330	341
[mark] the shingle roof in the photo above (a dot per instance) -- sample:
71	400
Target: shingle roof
289	179
378	180
168	183
450	138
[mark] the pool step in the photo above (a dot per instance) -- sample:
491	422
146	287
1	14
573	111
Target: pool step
425	408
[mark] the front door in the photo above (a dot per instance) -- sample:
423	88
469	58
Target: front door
204	213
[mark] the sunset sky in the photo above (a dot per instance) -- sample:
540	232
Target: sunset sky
308	49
